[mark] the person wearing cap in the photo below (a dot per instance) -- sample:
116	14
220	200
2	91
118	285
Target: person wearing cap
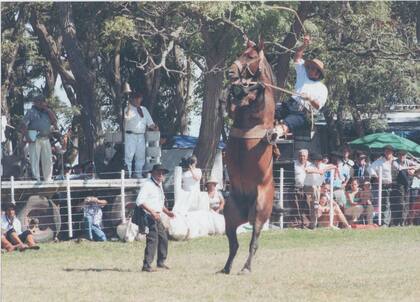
36	128
12	237
216	200
152	199
92	218
385	163
404	170
311	93
312	185
137	120
360	168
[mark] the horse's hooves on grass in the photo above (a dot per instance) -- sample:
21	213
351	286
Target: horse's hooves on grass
223	271
245	271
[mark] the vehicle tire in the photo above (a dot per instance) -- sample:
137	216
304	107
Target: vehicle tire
48	215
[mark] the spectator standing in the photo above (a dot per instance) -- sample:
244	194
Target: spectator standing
295	112
191	176
12	237
216	200
36	128
345	164
92	218
137	120
300	166
152	199
360	168
386	163
404	170
340	179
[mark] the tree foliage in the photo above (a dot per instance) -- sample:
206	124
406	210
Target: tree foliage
177	53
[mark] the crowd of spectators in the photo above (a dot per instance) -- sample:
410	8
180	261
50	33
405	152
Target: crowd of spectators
355	186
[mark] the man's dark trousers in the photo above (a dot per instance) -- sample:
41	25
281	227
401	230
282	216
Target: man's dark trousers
156	239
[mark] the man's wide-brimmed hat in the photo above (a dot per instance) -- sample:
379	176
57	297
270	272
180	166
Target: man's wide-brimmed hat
160	167
212	180
389	147
318	64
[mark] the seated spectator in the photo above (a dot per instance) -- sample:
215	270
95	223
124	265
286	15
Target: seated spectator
92	212
12	237
191	175
324	209
366	199
216	200
354	206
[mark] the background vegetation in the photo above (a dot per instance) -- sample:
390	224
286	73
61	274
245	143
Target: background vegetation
178	53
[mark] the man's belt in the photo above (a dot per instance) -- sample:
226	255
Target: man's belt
131	132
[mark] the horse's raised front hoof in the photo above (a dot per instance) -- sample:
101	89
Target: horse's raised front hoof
244	271
223	271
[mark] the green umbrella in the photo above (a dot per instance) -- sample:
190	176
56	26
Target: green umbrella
380	140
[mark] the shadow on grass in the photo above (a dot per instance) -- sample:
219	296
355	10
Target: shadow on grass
92	269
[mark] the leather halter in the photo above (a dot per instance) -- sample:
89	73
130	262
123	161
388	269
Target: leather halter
256	132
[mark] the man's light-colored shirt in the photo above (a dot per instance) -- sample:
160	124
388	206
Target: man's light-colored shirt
7	225
151	194
386	169
300	173
134	122
314	179
315	89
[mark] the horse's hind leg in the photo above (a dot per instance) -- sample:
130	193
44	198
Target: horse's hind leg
233	248
253	246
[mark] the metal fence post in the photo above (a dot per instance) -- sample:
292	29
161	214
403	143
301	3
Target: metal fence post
281	197
332	198
12	188
123	196
69	211
380	197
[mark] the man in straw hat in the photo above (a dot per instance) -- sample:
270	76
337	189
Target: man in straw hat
152	199
311	93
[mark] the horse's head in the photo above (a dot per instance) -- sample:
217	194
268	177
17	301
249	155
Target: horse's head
248	75
248	64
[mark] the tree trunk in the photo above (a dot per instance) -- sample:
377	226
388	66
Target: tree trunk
217	45
84	84
6	80
183	90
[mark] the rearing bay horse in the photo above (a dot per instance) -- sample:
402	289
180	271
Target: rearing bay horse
249	155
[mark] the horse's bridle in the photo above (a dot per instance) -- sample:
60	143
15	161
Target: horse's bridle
243	68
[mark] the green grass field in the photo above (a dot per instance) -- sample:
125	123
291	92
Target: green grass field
291	265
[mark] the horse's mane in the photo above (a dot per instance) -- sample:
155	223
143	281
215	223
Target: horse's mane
266	71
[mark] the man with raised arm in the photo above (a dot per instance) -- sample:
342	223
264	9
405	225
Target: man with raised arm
311	93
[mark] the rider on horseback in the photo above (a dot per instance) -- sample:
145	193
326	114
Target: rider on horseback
311	94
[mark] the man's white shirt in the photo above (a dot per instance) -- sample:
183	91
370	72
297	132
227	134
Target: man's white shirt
151	194
6	225
134	122
315	89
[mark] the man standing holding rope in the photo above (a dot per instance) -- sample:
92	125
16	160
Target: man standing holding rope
310	94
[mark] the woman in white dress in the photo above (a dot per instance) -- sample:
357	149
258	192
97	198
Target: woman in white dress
216	199
191	176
